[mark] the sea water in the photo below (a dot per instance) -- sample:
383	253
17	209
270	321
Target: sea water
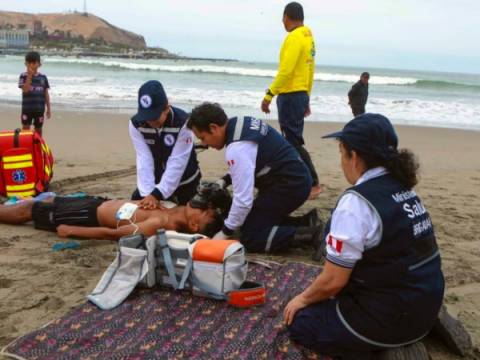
405	96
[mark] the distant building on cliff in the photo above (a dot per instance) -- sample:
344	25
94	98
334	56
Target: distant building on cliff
14	38
37	28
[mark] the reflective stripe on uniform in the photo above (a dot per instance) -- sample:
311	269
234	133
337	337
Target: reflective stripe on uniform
369	341
270	238
265	170
171	130
147	130
238	129
190	179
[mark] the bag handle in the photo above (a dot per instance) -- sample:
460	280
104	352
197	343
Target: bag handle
16	135
167	257
232	249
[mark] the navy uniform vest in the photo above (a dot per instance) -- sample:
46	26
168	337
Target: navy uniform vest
161	142
396	289
276	159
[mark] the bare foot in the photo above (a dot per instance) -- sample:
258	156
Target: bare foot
315	192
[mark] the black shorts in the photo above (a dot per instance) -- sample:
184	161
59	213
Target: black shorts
35	117
66	211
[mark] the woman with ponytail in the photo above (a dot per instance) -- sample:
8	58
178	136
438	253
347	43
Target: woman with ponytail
382	284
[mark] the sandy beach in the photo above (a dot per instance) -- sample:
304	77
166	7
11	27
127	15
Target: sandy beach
93	153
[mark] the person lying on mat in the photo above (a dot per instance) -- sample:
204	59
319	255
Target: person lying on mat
99	218
382	285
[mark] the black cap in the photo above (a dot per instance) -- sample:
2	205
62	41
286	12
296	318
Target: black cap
151	102
370	134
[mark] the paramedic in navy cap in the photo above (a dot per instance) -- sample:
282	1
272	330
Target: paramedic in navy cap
167	166
382	285
258	157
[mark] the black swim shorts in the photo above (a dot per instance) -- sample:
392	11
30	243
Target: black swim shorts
36	118
66	211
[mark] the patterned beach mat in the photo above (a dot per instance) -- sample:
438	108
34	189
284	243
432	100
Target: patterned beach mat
163	324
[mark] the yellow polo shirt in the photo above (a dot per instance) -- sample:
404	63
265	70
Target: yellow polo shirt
297	64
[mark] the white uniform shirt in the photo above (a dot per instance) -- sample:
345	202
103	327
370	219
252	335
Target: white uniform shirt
176	163
356	226
241	157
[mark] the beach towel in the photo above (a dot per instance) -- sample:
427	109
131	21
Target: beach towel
161	323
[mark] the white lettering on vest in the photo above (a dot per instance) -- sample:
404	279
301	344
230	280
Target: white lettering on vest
403	196
255	124
414	210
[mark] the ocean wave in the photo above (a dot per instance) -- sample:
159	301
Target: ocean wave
446	85
63	79
9	77
73	79
451	113
229	70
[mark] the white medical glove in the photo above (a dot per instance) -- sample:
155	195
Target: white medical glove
220	236
222	183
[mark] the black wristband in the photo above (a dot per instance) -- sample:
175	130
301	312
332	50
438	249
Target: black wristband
227	231
157	194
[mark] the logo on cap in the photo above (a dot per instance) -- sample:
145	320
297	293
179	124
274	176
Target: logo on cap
145	101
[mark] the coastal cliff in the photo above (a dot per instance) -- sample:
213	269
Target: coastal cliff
72	25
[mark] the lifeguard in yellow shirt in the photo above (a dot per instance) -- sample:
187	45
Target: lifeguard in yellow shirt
293	84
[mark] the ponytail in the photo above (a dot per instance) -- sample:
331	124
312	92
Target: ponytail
404	168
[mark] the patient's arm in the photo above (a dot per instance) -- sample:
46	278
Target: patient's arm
147	228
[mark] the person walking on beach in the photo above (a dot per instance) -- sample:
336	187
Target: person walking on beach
258	156
293	85
167	166
382	284
358	95
35	96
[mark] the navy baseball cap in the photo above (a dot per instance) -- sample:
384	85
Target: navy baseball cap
151	102
370	134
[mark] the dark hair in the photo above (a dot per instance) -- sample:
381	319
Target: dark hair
213	227
294	11
32	57
403	167
205	114
365	74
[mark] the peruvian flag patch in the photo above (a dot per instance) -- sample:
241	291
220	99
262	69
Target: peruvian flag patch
335	244
231	162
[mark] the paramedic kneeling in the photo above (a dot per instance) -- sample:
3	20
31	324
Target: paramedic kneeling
167	166
257	156
382	285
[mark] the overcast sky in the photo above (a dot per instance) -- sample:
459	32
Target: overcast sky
411	34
